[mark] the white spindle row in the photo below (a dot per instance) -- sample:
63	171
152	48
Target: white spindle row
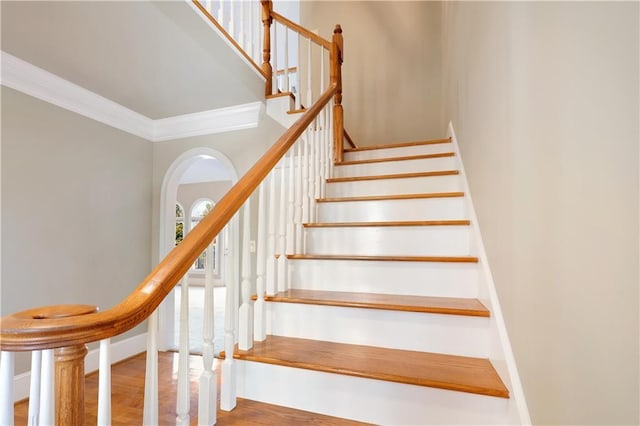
208	378
241	20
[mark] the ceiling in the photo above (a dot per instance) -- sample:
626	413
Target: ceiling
206	169
160	58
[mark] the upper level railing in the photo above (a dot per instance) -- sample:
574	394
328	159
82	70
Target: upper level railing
285	182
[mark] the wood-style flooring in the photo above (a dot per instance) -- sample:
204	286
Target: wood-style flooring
127	383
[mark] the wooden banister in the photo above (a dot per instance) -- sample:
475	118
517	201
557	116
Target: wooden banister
301	30
30	330
267	12
336	78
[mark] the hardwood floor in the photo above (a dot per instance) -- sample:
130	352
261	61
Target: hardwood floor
127	383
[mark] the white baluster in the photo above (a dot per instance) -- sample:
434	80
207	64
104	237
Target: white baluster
286	85
309	88
232	20
241	37
260	313
221	13
305	180
291	237
312	171
7	361
322	154
47	390
318	168
251	37
207	5
182	399
207	394
298	195
282	249
271	236
331	163
104	384
245	328
228	390
150	412
34	388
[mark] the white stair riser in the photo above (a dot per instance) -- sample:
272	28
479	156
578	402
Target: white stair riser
393	210
390	240
442	279
414	331
366	400
391	167
416	185
398	152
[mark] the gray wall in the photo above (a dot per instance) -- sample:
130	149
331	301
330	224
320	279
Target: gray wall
391	71
76	204
544	101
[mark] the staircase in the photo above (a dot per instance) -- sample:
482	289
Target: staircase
382	321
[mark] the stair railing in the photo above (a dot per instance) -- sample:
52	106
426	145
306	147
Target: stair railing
284	182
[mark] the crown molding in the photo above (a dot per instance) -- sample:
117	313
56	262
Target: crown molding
33	81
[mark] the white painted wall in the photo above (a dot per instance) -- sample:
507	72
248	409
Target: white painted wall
391	70
76	197
544	100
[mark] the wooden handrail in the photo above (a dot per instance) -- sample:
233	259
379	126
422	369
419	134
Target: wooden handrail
34	329
301	30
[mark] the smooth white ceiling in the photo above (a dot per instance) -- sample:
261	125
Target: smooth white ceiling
206	169
158	58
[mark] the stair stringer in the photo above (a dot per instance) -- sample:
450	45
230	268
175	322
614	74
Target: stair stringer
500	351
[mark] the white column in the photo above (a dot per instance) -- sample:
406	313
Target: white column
309	88
271	236
182	397
104	384
228	388
150	412
282	214
34	388
47	390
7	361
260	314
245	328
207	394
298	195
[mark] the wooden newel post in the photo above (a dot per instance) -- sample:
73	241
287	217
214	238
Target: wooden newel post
337	52
69	379
267	7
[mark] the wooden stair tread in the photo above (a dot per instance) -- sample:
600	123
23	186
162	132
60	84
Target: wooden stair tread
389	159
392	302
390	224
454	259
393	176
297	111
452	372
399	145
392	197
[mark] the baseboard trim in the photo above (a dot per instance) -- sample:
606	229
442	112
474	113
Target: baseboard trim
120	350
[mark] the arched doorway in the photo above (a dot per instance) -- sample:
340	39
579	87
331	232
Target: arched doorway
198	177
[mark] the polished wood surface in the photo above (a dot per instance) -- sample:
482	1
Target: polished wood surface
335	74
69	384
127	382
453	259
392	197
405	158
399	145
281	94
224	32
25	333
385	224
266	69
296	111
301	30
349	140
459	373
391	302
393	176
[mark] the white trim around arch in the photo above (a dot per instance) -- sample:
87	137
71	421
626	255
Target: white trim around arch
166	240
